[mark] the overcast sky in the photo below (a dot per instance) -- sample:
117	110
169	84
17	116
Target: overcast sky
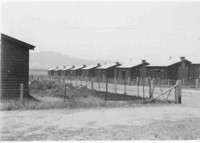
108	30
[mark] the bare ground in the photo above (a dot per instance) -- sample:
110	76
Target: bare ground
146	122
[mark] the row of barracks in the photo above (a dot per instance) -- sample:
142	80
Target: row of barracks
182	69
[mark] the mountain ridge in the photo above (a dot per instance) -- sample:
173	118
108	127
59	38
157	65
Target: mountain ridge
51	59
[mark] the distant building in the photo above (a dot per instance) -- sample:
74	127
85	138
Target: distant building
14	66
76	71
89	71
66	71
107	71
57	71
183	70
51	72
132	70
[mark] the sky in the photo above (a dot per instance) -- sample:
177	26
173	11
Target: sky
115	30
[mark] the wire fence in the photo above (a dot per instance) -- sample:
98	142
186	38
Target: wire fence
140	87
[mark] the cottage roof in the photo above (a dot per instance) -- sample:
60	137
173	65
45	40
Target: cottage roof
89	67
51	69
130	65
76	68
166	63
67	68
57	69
106	66
18	42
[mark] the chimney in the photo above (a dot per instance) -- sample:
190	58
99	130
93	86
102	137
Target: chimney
117	63
182	58
143	61
84	65
64	66
98	64
73	66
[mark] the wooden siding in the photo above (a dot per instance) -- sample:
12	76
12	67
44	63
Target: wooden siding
14	68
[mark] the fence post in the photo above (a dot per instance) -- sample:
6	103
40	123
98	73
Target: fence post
197	83
152	87
143	79
21	92
76	82
99	84
168	82
115	86
129	80
137	82
92	86
178	92
106	90
65	91
125	86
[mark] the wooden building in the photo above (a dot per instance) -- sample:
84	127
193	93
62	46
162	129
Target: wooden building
107	71
183	70
76	71
14	66
51	72
57	71
132	70
89	71
66	71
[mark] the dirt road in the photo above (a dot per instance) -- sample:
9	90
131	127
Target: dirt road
168	121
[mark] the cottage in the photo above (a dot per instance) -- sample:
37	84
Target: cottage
14	66
57	71
107	71
51	72
132	70
89	71
182	70
76	71
66	71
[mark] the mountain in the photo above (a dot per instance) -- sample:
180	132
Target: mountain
50	59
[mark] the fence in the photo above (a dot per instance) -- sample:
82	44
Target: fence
140	87
14	92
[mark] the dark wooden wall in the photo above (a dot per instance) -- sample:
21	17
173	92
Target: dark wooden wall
14	69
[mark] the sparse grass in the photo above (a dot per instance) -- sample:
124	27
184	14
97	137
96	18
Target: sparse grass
91	102
82	98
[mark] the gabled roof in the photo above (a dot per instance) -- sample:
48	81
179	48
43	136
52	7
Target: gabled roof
57	69
131	65
107	66
18	42
76	68
51	69
166	63
67	68
90	67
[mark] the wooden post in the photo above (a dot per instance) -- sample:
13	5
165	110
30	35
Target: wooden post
92	86
197	83
125	86
178	92
129	80
65	91
115	86
143	88
76	82
21	92
99	84
106	90
152	88
137	82
168	82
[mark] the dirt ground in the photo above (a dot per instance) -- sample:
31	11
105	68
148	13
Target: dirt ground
146	122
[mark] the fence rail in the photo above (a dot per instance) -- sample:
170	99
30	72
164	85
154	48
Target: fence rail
144	88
